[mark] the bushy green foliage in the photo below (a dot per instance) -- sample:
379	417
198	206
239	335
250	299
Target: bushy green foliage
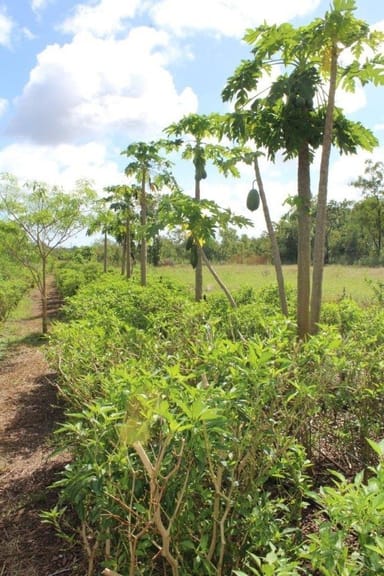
70	276
194	428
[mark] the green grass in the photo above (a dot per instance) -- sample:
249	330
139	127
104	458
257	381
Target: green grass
339	281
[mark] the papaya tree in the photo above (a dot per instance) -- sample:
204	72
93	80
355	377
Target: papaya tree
293	117
236	126
122	200
339	33
44	217
150	170
200	221
194	138
103	221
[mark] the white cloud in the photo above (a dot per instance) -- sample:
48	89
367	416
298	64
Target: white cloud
62	165
225	17
346	169
38	5
102	19
91	87
351	101
3	106
6	27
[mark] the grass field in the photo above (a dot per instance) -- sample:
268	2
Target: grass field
339	281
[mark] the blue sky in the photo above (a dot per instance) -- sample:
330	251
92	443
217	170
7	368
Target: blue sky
81	80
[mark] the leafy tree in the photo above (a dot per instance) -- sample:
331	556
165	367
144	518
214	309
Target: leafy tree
201	220
292	118
43	218
150	170
338	33
103	220
122	201
240	127
369	213
340	239
194	136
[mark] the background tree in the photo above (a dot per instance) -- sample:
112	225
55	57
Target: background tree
43	218
369	213
152	171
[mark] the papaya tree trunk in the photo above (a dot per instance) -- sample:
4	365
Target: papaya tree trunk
123	255
143	221
272	238
128	260
321	213
105	251
304	242
216	276
199	265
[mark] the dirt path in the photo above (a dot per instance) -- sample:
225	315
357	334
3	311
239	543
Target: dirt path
28	415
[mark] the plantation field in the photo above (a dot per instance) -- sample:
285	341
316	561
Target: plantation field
210	433
339	281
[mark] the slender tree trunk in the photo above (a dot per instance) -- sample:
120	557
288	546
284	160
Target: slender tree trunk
304	242
105	255
123	255
272	239
199	265
44	305
321	214
128	263
216	276
143	220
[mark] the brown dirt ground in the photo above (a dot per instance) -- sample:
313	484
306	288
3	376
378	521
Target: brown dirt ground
29	413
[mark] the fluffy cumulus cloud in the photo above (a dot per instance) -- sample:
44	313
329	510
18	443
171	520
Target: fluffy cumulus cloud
102	19
346	169
91	87
6	27
63	164
225	17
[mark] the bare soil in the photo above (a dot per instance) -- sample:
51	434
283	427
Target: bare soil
30	411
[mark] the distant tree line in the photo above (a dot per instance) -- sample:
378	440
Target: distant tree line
354	234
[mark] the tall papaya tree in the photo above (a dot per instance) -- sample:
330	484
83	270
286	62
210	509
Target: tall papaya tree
122	200
201	221
150	170
338	33
236	126
194	138
293	117
102	221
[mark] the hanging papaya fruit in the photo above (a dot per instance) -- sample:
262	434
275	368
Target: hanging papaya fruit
253	200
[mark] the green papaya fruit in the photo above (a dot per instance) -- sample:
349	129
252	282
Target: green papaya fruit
199	162
194	256
253	200
189	242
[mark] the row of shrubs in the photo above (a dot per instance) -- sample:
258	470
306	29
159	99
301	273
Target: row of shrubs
200	434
